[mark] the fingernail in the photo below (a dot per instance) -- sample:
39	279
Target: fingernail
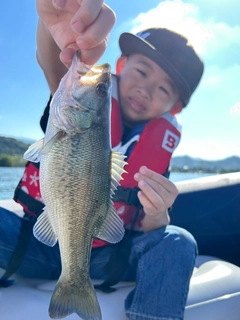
136	176
78	26
59	4
141	183
143	169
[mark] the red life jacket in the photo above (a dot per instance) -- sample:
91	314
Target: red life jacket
27	192
153	148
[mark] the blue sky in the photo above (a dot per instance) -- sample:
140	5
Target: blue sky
211	122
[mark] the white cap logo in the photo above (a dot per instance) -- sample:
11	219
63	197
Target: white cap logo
143	35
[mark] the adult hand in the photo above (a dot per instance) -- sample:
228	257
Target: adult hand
77	24
156	196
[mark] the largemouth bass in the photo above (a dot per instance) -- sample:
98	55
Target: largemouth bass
78	175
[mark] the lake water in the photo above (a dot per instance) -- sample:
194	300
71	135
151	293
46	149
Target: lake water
9	178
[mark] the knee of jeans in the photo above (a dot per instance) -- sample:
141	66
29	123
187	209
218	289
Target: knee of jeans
185	242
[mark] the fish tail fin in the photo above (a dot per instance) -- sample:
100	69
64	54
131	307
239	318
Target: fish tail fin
67	300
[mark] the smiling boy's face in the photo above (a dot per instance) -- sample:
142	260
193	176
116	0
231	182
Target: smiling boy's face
145	90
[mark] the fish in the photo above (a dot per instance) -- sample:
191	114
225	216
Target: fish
79	173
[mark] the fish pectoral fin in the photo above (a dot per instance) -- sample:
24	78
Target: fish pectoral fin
48	146
38	148
117	169
43	230
112	229
33	153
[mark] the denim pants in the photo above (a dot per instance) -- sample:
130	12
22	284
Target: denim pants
161	262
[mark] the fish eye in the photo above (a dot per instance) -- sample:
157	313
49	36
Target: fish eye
101	89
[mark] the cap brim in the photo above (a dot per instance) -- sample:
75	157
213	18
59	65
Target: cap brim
132	44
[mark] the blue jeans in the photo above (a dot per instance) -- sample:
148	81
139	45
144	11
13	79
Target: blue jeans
161	263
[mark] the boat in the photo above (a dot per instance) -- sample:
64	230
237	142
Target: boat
209	208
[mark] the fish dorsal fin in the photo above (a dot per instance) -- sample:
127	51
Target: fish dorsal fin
33	152
43	230
112	229
117	169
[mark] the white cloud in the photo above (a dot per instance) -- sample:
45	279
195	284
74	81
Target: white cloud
177	16
209	125
223	37
207	37
221	85
235	110
212	80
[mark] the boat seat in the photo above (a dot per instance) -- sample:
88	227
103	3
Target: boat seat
214	293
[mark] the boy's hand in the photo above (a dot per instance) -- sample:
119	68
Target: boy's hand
77	24
157	195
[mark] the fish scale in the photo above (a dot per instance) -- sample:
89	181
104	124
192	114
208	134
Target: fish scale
78	193
78	175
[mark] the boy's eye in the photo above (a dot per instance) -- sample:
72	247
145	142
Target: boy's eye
164	90
141	72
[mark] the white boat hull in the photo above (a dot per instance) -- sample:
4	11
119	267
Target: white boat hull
214	292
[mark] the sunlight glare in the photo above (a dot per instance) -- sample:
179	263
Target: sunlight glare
179	17
214	274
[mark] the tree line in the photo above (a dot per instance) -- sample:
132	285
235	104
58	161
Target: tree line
11	161
11	152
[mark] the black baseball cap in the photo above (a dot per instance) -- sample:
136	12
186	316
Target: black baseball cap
172	52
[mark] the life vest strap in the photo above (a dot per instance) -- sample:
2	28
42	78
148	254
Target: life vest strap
116	265
118	261
18	253
127	195
32	207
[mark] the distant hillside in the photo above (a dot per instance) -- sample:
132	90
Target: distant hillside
11	152
186	163
12	147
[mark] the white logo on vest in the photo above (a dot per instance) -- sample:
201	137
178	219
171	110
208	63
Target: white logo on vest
170	141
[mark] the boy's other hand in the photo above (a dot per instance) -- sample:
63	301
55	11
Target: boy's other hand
78	25
156	196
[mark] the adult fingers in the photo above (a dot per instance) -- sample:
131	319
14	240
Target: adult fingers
86	14
67	54
59	4
89	57
98	31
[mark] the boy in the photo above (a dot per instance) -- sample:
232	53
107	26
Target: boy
157	73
